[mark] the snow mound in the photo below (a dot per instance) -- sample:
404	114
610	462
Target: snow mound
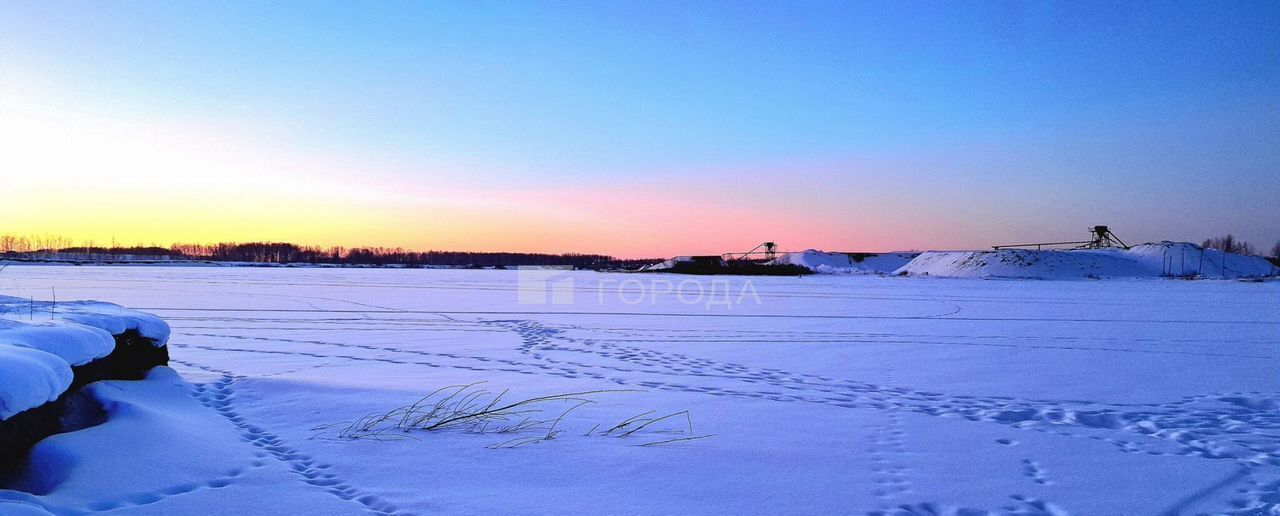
115	319
1151	260
41	341
159	450
846	263
19	508
74	343
30	378
69	469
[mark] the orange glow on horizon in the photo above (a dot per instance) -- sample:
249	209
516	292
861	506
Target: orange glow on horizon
103	179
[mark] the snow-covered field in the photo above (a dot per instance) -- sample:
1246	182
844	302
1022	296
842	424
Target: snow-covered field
837	394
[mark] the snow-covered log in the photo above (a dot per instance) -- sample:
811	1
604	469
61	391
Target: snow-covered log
48	350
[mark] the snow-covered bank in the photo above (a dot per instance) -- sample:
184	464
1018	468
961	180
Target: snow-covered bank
846	263
48	349
1152	260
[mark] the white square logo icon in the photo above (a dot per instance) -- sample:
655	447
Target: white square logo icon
542	285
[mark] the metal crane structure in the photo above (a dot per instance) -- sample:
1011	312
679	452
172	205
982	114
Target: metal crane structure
1101	237
769	253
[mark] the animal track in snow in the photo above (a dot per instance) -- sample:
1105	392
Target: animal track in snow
219	395
1033	470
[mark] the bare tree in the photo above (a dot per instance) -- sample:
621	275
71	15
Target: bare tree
1229	244
1275	250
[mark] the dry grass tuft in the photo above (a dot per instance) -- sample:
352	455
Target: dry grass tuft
470	408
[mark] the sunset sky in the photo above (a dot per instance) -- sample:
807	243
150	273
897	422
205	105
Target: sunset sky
639	128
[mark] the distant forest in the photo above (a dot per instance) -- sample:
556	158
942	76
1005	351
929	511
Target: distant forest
57	248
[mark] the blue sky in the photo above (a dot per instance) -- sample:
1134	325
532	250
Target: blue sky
947	124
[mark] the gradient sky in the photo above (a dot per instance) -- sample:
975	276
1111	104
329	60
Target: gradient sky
640	128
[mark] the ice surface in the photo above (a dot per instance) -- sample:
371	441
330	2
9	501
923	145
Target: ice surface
835	394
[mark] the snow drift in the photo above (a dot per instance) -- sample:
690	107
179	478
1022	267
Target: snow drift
1163	259
846	263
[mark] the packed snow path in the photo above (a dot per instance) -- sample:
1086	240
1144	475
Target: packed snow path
831	395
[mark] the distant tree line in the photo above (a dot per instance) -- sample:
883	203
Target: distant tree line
1229	244
283	252
26	244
